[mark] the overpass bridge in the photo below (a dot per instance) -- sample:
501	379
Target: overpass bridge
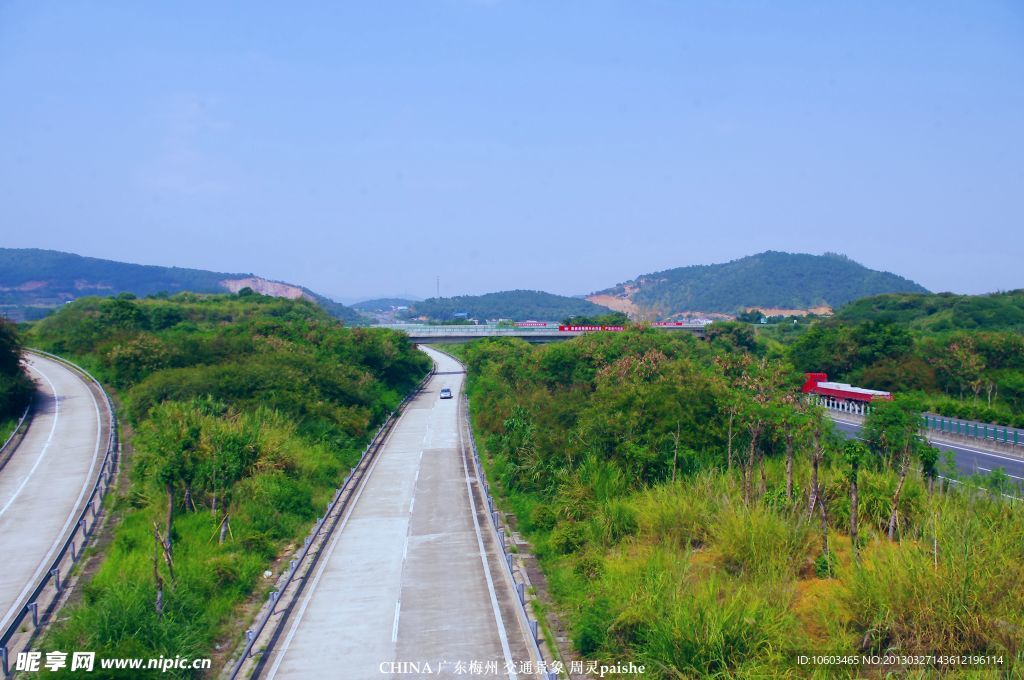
439	335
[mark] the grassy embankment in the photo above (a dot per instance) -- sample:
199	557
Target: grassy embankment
244	412
687	576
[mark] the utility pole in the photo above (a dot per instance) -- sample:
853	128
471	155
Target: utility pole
439	286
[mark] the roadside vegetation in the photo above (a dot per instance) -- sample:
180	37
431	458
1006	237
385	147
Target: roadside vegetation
15	386
244	413
691	514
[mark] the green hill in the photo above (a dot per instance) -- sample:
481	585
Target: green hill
942	311
767	280
382	304
518	305
33	282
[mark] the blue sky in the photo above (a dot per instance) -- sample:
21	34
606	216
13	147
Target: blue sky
364	148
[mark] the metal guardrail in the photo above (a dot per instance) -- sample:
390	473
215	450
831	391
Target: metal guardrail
338	503
993	433
83	529
499	535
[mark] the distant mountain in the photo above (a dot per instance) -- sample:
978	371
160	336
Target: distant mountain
769	281
941	311
518	305
382	304
33	282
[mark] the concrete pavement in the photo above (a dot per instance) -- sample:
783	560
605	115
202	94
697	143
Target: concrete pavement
409	578
47	479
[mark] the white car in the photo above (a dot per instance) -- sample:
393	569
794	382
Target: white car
446	393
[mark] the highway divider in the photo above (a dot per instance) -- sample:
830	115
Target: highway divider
49	592
277	610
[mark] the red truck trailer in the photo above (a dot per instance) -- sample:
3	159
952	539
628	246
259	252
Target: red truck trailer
817	383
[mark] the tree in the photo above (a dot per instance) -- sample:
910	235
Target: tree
15	387
761	384
854	454
892	427
734	335
929	456
168	444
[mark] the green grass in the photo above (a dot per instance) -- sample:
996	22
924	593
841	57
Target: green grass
687	579
7	429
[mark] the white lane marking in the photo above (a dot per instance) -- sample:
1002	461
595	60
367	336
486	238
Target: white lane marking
46	444
950	446
394	627
509	664
45	562
1004	472
412	501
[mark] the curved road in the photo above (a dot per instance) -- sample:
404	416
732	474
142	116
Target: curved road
411	574
47	478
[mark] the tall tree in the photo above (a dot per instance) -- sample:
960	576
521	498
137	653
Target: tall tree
893	428
854	454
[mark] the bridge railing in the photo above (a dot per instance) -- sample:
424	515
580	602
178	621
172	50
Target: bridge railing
491	330
48	592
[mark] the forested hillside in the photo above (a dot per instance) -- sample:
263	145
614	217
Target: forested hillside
33	282
244	414
517	305
766	280
942	311
690	514
382	304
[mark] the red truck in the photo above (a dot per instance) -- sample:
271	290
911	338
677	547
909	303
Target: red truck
817	383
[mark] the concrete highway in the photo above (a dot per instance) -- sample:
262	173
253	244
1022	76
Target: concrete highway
46	480
969	459
411	574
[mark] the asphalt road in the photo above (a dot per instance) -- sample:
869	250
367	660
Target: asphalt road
47	479
409	575
969	460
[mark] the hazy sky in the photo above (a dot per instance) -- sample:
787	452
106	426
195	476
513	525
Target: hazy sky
363	148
